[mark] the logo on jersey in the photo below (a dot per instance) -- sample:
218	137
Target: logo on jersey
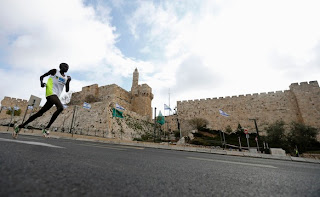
62	80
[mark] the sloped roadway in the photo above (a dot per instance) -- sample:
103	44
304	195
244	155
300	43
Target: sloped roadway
36	166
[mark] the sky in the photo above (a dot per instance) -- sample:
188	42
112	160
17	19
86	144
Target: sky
183	49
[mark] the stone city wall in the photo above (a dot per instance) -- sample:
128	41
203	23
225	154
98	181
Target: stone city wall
11	102
301	104
101	94
114	91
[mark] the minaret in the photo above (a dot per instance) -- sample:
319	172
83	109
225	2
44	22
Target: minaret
135	79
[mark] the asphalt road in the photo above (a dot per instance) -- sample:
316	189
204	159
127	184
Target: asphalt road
36	166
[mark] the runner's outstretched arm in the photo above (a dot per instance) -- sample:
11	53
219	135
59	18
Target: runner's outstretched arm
50	72
67	84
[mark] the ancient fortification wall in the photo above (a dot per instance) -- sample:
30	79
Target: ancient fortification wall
301	103
12	102
138	100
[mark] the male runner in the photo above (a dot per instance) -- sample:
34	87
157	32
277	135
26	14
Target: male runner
57	80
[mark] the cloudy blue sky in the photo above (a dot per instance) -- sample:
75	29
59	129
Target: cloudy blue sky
196	49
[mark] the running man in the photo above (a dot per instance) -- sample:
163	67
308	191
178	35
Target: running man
57	80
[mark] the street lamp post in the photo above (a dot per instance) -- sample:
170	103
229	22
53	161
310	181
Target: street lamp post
178	121
155	122
255	124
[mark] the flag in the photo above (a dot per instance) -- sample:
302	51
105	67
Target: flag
16	108
119	107
166	107
86	105
222	113
3	107
160	118
116	113
30	107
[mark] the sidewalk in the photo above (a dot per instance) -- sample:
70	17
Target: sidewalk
59	135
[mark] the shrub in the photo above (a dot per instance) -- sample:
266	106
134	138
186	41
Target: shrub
276	135
228	129
177	134
302	136
198	123
91	99
16	112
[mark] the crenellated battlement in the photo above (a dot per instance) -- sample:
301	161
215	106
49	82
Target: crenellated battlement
241	96
143	90
10	101
304	84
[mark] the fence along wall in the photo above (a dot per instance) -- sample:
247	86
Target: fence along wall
300	103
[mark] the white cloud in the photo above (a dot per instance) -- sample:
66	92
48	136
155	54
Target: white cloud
48	33
197	49
39	35
246	46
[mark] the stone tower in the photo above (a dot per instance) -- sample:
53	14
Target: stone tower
307	98
141	96
135	79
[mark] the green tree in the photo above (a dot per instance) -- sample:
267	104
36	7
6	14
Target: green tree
228	129
276	135
240	130
16	112
302	136
198	123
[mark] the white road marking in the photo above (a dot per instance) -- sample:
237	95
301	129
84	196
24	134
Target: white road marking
132	147
107	147
31	143
117	146
233	162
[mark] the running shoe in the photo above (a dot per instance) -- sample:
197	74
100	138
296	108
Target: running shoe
45	133
15	132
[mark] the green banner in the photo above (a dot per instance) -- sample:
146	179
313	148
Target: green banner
116	113
160	118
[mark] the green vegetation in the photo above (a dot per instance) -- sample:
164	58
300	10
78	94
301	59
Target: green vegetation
198	123
177	134
206	139
137	124
304	137
299	135
279	135
228	129
16	112
276	135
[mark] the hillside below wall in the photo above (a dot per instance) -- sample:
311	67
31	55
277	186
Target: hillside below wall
96	120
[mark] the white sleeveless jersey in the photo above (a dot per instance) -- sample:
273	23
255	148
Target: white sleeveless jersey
55	84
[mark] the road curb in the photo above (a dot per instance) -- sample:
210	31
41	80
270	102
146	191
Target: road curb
172	147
